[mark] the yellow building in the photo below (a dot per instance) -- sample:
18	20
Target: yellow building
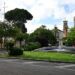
65	29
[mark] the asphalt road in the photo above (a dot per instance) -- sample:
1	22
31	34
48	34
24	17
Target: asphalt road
28	67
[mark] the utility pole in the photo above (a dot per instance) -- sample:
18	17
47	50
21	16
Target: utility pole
4	12
4	22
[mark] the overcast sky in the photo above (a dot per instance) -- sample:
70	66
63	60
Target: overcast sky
45	12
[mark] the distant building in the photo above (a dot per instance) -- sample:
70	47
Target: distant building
65	28
74	21
60	34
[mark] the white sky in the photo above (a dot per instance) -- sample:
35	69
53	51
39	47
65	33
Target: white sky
43	10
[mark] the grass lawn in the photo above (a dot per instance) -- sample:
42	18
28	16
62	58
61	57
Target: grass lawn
49	56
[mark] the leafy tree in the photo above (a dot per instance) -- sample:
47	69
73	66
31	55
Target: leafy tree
18	16
3	28
21	26
7	31
43	36
12	32
70	41
21	37
1	35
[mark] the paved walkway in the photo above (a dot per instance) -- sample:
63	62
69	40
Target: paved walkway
27	67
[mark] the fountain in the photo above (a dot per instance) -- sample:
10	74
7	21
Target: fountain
60	45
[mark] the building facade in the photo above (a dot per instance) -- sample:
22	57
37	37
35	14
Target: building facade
60	34
65	29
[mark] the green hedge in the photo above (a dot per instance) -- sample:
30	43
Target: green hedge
31	46
15	51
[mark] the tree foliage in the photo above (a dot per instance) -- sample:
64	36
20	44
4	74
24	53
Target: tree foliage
71	37
21	37
7	30
21	26
18	17
17	14
43	36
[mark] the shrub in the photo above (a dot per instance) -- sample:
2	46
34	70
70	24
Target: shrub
15	51
31	46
